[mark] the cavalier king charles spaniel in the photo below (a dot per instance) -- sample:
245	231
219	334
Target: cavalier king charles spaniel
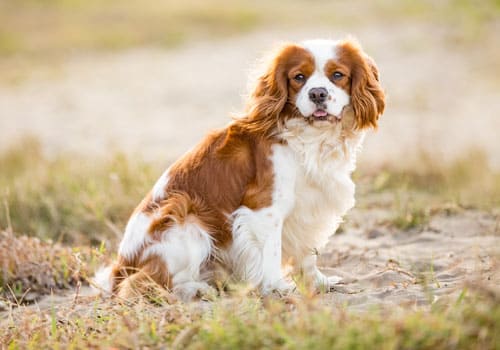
265	192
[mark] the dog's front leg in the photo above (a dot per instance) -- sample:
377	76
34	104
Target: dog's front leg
313	275
256	249
272	278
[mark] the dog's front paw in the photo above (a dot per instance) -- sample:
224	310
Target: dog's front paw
280	287
327	283
191	290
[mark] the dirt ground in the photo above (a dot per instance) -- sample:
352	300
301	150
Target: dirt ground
384	265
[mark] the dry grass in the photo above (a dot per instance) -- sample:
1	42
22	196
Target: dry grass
433	186
243	322
67	198
31	268
468	181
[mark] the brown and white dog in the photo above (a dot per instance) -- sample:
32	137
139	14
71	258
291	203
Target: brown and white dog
269	188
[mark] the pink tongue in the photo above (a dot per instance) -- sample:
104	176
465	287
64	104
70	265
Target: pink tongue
320	113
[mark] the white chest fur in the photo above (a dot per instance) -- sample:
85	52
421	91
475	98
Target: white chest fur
322	192
312	190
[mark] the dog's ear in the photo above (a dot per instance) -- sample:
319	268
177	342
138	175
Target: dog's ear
367	96
271	91
270	94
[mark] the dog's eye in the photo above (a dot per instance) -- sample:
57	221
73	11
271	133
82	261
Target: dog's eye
337	75
300	78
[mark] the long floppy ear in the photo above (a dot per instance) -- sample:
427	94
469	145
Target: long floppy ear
270	93
367	96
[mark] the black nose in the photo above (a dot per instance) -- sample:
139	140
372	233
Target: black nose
318	95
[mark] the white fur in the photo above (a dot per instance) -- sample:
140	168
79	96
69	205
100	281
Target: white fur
322	51
184	249
102	280
250	231
324	189
137	228
135	235
312	191
256	248
158	192
309	269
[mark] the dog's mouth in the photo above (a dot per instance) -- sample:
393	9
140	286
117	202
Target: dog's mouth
322	115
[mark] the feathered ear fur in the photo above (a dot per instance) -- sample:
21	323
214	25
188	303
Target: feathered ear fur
367	96
270	94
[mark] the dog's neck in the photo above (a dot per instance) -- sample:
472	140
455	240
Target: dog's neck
324	148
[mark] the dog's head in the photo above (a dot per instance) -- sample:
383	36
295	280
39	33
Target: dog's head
318	81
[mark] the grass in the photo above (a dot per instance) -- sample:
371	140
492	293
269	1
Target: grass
74	200
243	322
409	214
32	268
468	179
434	186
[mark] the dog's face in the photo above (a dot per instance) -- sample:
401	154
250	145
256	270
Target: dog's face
319	80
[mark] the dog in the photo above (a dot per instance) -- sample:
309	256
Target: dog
268	189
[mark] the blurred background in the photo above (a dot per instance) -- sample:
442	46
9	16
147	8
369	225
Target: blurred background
85	81
151	77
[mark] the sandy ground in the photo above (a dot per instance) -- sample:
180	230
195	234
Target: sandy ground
383	265
442	98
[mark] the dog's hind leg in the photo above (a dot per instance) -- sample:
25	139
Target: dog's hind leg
184	249
145	280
